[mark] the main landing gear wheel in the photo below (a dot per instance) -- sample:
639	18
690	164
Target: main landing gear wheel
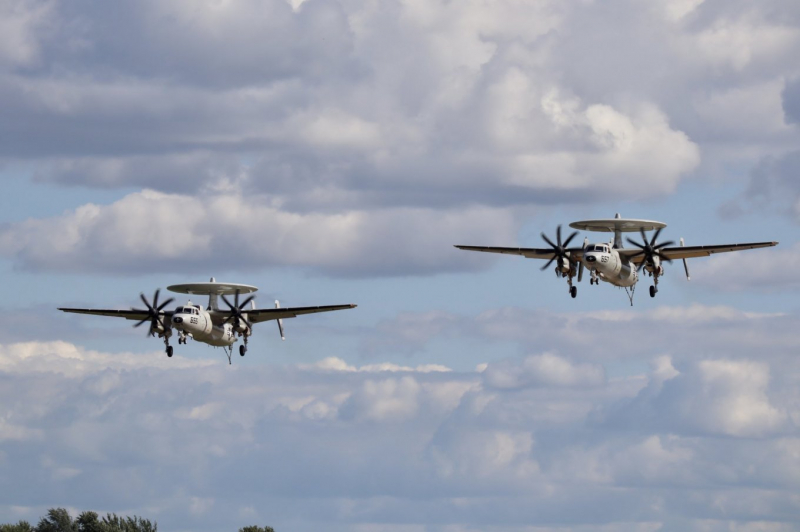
653	291
242	350
169	351
573	291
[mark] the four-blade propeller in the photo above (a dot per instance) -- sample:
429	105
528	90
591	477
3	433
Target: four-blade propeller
236	310
560	250
650	249
153	311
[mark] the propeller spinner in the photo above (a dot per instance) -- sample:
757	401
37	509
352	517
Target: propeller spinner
651	250
560	250
154	313
236	311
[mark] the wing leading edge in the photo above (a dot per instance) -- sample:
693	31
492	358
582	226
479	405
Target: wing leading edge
531	253
127	314
690	252
267	314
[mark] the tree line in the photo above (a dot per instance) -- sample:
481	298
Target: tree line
59	520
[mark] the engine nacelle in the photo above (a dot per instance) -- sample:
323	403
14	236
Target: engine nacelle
564	265
240	326
156	329
654	267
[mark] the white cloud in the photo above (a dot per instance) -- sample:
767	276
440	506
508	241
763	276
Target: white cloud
199	445
151	231
542	370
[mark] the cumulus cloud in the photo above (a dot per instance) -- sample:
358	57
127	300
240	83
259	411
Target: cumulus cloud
542	370
210	446
721	330
723	397
761	271
156	232
341	104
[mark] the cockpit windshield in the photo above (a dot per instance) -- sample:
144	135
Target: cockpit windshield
599	248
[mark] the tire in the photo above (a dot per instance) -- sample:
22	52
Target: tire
573	292
242	350
169	351
652	291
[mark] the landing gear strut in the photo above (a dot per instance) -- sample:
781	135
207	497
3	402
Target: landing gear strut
243	347
654	286
166	343
573	290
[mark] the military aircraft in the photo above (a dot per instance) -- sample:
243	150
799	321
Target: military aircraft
610	261
210	325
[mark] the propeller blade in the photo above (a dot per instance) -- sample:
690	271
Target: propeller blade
580	272
225	299
663	257
141	322
655	236
558	235
573	235
549	262
165	303
544	236
664	244
146	303
245	302
155	297
635	243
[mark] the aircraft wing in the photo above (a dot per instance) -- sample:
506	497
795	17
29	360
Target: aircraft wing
531	253
267	314
689	252
137	315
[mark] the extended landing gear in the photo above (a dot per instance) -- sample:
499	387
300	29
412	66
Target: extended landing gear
169	351
182	338
573	291
242	350
654	286
168	347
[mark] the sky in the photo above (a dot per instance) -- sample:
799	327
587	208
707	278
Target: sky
333	152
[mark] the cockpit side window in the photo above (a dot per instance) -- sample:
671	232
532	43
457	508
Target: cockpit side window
178	310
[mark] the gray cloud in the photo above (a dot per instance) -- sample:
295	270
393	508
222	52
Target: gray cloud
207	446
773	188
715	330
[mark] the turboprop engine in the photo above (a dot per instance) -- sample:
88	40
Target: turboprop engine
564	265
654	265
238	318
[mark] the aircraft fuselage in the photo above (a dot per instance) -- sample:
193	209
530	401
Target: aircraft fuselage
605	262
194	321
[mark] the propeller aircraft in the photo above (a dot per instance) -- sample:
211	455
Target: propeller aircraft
210	325
612	263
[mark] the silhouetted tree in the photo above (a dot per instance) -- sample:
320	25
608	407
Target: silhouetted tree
22	526
57	520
